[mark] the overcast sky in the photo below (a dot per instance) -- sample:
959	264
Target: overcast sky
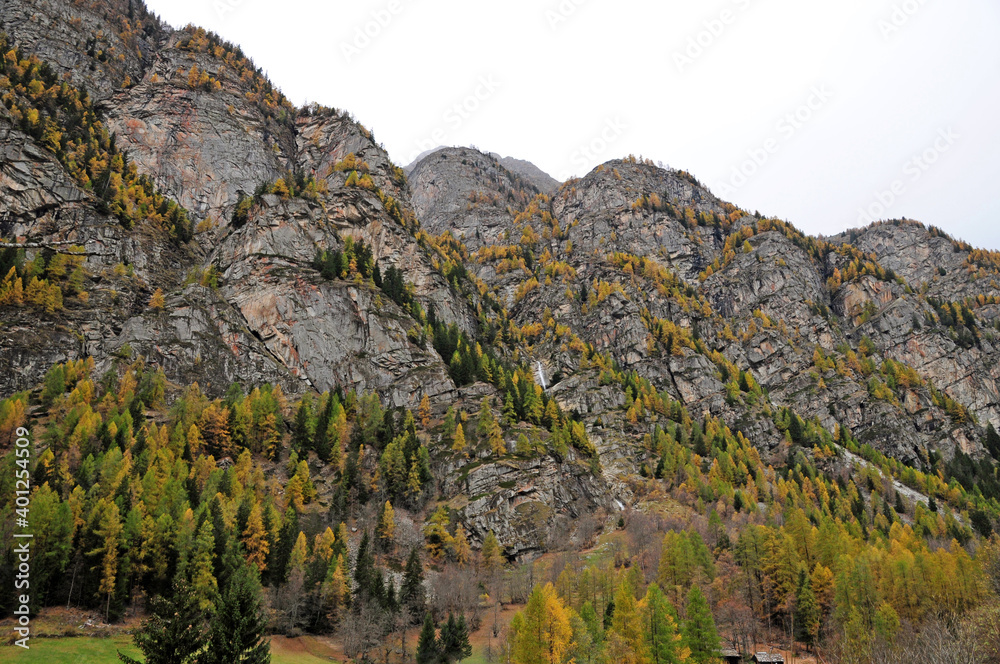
826	114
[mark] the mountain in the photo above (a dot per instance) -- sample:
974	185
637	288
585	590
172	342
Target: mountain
197	274
542	180
409	168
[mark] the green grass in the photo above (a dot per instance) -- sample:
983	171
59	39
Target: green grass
297	658
91	650
80	650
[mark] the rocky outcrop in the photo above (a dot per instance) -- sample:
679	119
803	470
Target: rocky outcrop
467	193
101	45
544	182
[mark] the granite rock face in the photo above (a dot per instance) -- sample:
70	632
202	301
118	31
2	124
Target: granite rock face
764	303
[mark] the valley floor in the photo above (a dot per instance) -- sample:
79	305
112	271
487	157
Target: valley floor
103	650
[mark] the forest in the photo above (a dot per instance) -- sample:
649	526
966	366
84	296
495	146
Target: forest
149	496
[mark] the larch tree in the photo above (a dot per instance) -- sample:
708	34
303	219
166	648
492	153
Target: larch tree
460	546
458	444
424	412
700	635
157	301
109	533
255	539
200	567
385	527
660	631
542	631
627	624
491	558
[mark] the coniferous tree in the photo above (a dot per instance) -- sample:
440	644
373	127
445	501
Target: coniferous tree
302	431
463	648
448	640
660	632
411	595
700	635
807	611
238	631
453	642
277	564
458	444
385	527
321	437
490	556
993	441
367	579
427	645
175	631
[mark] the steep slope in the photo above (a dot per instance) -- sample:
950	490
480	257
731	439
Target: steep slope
544	182
223	236
214	135
467	193
761	297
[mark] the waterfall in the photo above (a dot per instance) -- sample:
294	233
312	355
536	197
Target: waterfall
541	377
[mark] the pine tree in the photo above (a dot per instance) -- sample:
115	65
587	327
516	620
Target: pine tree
238	631
322	433
367	578
700	635
427	645
277	564
993	441
174	633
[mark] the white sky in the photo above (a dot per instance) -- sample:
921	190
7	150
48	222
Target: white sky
563	73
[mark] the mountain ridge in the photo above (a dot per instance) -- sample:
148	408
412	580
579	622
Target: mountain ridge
184	246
